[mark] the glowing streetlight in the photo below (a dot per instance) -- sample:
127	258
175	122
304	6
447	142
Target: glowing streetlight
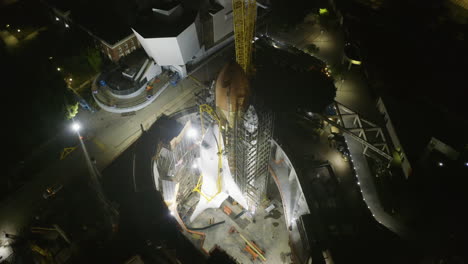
70	79
66	25
440	164
57	19
59	69
19	30
76	127
466	164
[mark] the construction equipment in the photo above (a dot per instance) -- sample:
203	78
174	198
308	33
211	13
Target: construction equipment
244	16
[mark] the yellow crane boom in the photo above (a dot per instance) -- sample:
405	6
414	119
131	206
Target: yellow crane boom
244	16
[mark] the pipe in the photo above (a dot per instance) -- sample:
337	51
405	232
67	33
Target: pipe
252	247
206	227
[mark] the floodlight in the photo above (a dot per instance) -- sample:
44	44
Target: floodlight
76	126
192	133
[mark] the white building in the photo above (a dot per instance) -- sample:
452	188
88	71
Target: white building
170	36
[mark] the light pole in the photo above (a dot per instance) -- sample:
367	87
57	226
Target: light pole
112	213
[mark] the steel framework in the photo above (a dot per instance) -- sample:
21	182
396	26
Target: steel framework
244	14
369	134
252	150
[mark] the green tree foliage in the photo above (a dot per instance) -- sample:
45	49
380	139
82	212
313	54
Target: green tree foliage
94	59
36	92
71	110
287	14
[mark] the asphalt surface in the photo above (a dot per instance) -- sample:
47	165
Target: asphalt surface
106	136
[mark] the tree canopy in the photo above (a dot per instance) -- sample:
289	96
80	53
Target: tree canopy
288	79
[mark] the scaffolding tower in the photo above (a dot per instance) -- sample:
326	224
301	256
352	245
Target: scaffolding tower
251	149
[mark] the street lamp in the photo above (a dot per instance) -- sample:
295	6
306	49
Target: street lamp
19	30
70	79
76	126
59	69
440	164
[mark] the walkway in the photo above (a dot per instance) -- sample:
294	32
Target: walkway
353	91
111	103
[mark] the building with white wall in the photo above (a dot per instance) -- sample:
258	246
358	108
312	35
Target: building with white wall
170	36
221	17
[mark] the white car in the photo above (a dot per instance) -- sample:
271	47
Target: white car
51	191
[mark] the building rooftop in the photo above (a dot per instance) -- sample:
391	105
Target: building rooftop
107	20
120	79
151	24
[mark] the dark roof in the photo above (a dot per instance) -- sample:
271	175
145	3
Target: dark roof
61	5
106	19
215	7
116	80
154	25
416	121
167	5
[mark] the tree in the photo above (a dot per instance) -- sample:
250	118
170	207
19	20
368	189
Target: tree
94	59
287	14
290	79
71	110
312	48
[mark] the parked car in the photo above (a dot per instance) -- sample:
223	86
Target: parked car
52	191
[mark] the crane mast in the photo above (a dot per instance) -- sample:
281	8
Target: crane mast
244	14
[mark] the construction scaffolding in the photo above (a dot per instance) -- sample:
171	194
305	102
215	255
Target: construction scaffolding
175	165
251	148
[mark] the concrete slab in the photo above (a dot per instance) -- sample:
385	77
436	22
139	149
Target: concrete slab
267	230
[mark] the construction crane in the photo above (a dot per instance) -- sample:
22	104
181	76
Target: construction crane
244	14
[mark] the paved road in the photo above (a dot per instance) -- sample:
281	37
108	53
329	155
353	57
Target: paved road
106	136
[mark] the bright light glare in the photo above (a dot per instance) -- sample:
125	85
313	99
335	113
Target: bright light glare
70	79
5	252
466	164
192	133
66	25
19	30
194	165
172	213
57	19
440	164
58	69
76	126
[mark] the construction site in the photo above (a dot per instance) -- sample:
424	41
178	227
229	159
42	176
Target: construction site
215	175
